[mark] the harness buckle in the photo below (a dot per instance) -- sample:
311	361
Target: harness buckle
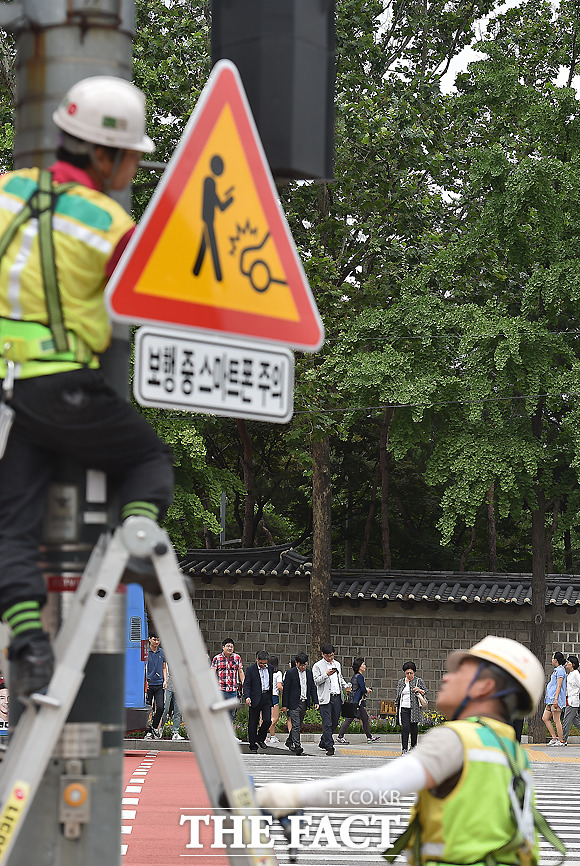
8	384
522	810
15	351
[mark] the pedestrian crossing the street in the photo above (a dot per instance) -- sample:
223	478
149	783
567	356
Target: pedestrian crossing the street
557	785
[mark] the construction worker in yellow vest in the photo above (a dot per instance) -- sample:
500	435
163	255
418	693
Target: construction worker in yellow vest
475	796
60	238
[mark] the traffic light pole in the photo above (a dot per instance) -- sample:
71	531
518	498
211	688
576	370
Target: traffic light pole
58	43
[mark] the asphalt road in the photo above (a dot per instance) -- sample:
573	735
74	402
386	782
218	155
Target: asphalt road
164	789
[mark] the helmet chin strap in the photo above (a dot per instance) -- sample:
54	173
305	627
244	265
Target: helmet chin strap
106	181
467	697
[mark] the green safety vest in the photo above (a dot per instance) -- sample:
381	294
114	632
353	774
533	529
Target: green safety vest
49	321
475	823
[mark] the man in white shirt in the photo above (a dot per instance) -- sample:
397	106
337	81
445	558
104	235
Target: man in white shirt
572	711
329	682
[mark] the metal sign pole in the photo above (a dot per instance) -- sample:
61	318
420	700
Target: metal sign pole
57	44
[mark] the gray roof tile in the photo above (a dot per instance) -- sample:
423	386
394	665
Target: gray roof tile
406	587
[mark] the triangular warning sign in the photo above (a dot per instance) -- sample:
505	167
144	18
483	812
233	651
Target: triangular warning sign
213	251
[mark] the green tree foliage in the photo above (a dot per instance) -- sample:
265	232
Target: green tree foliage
510	279
7	99
443	260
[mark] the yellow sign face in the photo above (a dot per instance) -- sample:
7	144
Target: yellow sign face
11	815
218	240
213	251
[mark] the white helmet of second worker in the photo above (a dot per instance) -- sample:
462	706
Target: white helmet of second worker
105	110
514	659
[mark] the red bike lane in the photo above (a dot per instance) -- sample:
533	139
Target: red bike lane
160	787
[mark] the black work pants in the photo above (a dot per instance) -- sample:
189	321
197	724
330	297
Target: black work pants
329	714
265	707
78	415
296	717
408	727
156	699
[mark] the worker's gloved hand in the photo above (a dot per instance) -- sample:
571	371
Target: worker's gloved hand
278	799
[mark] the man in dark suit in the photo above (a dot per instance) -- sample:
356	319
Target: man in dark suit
299	692
258	694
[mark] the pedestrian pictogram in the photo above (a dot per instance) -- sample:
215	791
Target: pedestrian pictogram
213	251
210	202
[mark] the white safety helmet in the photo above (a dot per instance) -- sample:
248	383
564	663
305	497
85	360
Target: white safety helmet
105	110
510	656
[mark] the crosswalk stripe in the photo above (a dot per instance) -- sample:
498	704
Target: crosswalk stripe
556	779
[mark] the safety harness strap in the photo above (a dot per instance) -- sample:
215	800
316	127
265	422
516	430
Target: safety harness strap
540	822
413	831
46	203
517	844
41	205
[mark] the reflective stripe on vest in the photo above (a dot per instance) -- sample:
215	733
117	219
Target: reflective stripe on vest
86	228
474	822
27	341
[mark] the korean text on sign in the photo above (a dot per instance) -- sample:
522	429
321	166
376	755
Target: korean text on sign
207	374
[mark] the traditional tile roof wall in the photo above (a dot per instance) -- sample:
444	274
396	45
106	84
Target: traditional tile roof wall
257	562
407	587
453	587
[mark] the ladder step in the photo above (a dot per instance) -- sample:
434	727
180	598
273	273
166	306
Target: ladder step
40	700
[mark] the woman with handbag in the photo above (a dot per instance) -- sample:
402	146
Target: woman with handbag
410	697
358	702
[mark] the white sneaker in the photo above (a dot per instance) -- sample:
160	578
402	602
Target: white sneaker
342	741
552	742
148	735
273	739
559	743
404	751
373	739
268	740
177	736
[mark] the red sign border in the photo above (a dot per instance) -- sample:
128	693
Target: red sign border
224	87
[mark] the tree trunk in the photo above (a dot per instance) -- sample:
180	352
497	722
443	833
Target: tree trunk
467	550
568	550
267	532
369	521
550	536
536	727
491	529
247	461
384	466
322	548
207	535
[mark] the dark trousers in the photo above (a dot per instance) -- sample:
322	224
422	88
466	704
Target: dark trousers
518	726
408	727
264	707
155	699
330	714
571	716
364	717
78	416
296	717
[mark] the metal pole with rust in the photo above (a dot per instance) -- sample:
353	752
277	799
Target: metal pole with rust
58	43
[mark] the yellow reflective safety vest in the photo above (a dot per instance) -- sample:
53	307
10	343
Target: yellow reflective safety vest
474	823
87	225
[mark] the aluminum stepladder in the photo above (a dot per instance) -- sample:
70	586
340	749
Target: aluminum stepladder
203	709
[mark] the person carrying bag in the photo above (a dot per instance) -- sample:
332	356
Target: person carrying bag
355	707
